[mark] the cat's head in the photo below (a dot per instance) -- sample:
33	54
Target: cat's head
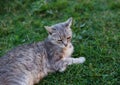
60	34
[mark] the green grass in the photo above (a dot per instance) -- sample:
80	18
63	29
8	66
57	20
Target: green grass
96	35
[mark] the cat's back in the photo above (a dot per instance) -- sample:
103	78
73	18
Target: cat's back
22	52
21	60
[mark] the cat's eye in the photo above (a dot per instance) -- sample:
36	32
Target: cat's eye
50	33
59	40
68	38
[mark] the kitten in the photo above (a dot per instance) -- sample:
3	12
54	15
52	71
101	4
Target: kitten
28	64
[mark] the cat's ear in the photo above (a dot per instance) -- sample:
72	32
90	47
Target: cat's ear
68	23
49	29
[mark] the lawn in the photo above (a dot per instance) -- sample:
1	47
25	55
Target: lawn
96	35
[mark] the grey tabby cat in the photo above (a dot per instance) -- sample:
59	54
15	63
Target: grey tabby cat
28	64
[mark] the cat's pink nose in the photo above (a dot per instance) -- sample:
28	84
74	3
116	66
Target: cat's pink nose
65	45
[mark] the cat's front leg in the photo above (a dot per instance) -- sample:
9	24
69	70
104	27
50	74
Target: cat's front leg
63	63
70	61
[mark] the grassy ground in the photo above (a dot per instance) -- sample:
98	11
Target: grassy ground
96	35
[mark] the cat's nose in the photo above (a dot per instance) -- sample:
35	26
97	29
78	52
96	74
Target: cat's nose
65	45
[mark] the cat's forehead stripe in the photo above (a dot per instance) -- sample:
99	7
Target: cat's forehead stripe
62	32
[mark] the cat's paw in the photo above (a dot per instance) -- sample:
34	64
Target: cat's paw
62	69
81	59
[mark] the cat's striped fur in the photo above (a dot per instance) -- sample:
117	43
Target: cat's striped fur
28	64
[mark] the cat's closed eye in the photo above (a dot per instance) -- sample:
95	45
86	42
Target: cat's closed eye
60	40
68	38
